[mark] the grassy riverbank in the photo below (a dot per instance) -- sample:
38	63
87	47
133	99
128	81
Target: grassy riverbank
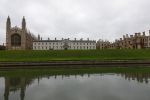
79	71
28	56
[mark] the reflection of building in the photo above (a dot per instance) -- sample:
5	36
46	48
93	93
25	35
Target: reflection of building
139	77
18	38
64	44
20	83
14	84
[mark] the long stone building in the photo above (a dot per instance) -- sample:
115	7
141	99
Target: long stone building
21	39
64	44
18	38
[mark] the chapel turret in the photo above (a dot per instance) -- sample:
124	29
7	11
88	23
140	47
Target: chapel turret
23	23
8	24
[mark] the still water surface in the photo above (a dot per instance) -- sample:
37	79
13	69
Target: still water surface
102	86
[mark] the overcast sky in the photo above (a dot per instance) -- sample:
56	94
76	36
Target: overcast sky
96	19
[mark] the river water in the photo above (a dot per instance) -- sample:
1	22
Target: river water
95	86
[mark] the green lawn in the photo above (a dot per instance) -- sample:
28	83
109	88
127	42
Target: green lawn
125	54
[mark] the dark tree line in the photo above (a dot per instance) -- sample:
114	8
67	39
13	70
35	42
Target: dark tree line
2	47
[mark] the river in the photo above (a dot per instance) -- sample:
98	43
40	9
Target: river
83	86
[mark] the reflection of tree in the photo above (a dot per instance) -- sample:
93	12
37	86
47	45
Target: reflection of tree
15	84
140	77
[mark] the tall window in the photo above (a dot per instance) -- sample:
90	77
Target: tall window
16	40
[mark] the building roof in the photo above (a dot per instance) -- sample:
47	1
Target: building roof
87	41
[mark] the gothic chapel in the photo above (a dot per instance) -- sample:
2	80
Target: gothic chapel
18	38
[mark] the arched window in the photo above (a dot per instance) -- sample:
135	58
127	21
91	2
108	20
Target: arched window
16	40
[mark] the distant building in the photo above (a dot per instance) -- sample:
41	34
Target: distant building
2	47
21	39
136	41
101	44
18	38
64	44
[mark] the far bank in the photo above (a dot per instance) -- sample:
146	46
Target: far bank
75	64
75	55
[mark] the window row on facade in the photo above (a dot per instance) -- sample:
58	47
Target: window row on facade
62	48
56	43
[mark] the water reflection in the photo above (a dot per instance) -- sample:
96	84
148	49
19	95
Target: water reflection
139	77
13	84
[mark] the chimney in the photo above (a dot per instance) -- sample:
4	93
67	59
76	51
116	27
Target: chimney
41	38
75	39
48	39
116	40
143	33
55	39
62	38
124	37
88	39
131	36
139	34
127	36
120	39
136	34
38	37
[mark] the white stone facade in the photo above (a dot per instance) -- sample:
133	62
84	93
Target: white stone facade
64	44
148	42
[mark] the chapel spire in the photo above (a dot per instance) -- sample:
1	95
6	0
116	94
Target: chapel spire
24	23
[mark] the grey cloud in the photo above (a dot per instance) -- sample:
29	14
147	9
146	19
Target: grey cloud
107	19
